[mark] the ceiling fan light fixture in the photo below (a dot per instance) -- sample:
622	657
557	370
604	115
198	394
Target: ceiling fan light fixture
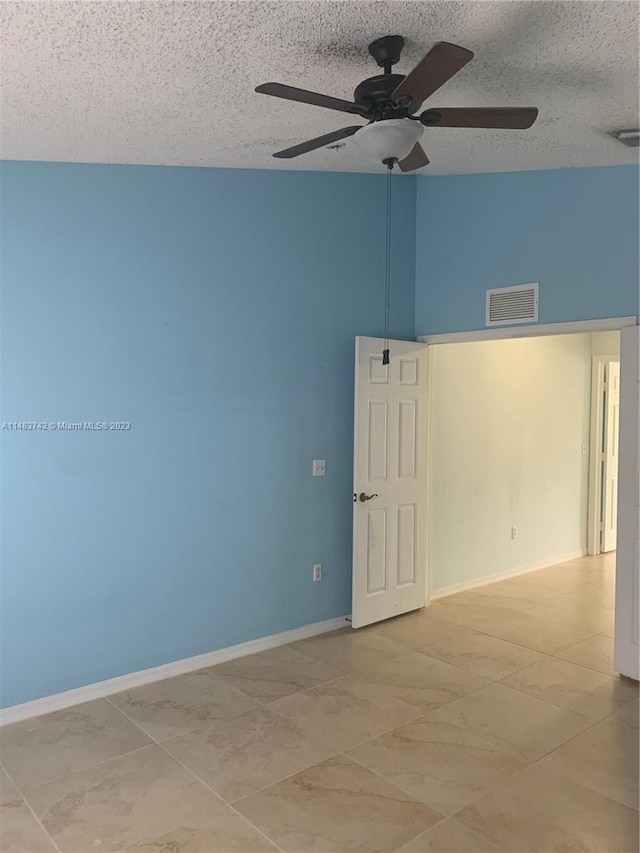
389	139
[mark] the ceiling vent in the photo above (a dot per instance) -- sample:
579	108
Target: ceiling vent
517	304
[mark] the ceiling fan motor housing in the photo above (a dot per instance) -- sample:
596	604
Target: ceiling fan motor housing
375	93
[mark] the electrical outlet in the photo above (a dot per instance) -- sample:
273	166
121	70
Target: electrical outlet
319	467
317	572
514	532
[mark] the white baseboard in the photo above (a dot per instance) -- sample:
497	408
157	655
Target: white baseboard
100	689
510	573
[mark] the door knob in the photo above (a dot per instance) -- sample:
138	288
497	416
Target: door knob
364	497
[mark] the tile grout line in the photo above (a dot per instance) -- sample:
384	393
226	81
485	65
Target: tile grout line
555	596
480	603
498	681
529	763
343	751
509	610
259	703
561	707
547	655
474	832
283	779
337	752
222	800
558	656
521	690
615	677
425	653
584	731
102	763
400	788
195	776
162	743
405	649
539	651
265	705
558	773
426	713
445	817
228	679
418	716
479	675
28	805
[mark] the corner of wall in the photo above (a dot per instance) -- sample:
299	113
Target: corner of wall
416	203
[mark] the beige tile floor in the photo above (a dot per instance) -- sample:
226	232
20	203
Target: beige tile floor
491	721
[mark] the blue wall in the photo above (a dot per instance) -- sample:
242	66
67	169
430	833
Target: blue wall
215	310
575	231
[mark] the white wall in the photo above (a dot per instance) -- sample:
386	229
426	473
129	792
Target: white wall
509	421
605	343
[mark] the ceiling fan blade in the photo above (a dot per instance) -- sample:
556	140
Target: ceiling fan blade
415	160
518	118
439	65
290	93
318	142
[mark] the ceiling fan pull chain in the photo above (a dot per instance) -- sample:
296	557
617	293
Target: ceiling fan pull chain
387	277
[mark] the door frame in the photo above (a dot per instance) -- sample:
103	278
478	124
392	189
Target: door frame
596	436
627	412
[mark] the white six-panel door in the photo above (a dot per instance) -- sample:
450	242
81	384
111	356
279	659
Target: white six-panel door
627	631
389	484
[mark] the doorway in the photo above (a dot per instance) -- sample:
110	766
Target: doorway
603	457
509	462
627	610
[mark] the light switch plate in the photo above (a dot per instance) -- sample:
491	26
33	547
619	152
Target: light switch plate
319	467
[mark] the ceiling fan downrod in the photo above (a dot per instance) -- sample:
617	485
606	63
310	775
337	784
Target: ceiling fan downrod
386	51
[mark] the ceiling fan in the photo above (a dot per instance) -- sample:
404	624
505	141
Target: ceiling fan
389	102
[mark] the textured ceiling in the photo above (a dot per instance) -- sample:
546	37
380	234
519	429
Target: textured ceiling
172	83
